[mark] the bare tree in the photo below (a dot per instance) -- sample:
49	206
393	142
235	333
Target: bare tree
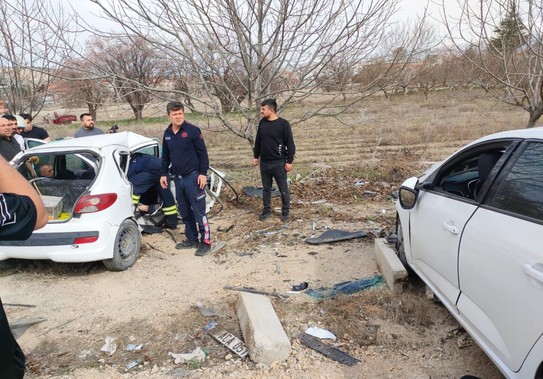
502	39
131	66
242	51
27	48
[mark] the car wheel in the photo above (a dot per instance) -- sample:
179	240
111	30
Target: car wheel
127	247
400	248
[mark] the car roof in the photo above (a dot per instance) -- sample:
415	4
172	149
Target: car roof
528	133
129	140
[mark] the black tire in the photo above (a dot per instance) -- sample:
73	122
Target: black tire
127	247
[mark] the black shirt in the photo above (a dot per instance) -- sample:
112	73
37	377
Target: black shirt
36	132
17	217
9	148
274	141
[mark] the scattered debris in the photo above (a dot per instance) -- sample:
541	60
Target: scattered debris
328	351
345	288
232	342
110	346
300	287
132	364
19	305
210	325
320	333
133	347
252	191
207	312
225	230
334	235
18	327
244	254
258	292
197	355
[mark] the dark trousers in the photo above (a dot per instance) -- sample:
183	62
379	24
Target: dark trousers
268	172
12	359
147	186
191	201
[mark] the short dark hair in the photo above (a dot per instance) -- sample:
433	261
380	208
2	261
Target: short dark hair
10	117
83	115
174	106
271	103
26	116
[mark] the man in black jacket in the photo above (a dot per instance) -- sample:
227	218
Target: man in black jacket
21	212
274	150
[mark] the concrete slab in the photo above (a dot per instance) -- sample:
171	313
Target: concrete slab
262	331
390	265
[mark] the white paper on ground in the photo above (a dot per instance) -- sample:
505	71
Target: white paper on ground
320	333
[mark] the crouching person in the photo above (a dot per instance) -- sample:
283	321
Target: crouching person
144	174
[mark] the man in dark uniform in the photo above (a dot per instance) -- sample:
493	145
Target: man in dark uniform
274	150
144	174
21	212
183	149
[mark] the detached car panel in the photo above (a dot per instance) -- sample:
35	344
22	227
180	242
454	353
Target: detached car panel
471	228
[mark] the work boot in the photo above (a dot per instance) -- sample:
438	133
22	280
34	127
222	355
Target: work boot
186	244
264	216
285	218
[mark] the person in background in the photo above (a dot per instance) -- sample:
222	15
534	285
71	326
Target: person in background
183	148
22	212
9	147
32	131
46	170
87	127
21	125
274	150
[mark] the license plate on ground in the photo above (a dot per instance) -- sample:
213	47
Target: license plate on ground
231	342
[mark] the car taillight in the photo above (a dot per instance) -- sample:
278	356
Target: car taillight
82	240
95	203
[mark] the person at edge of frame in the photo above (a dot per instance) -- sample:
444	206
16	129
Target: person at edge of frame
21	212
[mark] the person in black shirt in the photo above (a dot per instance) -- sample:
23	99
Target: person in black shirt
32	131
183	149
274	150
21	212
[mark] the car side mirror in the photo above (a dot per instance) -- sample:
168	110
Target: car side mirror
408	197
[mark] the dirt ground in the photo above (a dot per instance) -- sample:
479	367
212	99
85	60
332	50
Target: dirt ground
153	304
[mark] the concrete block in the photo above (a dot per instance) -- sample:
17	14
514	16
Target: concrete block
262	331
390	265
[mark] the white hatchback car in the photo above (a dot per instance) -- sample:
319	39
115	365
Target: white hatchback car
471	227
91	214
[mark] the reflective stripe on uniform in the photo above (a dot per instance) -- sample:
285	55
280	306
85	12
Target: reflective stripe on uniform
168	211
136	199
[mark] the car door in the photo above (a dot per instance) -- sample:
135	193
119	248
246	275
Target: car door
446	203
501	260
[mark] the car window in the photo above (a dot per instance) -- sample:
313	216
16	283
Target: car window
521	191
467	174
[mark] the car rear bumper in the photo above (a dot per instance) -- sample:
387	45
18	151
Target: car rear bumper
61	246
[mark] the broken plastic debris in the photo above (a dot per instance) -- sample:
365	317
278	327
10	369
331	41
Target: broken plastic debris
334	235
132	364
18	327
197	355
329	351
133	347
345	288
207	312
320	333
300	287
110	346
210	325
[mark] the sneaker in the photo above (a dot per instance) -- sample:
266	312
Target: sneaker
285	218
186	244
264	216
202	250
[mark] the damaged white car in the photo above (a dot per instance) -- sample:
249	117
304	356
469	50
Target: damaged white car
84	186
470	228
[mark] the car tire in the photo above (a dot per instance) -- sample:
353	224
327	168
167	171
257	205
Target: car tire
127	247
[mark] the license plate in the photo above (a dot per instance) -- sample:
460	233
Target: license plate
231	342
